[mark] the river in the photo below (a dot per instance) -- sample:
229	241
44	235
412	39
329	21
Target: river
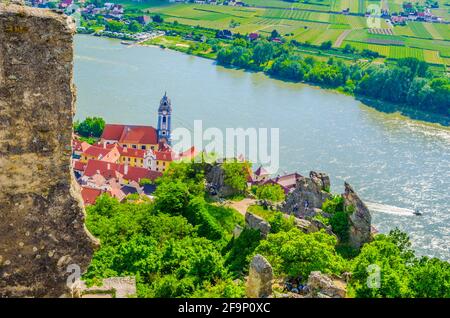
388	159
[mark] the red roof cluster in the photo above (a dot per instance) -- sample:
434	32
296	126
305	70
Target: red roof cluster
115	170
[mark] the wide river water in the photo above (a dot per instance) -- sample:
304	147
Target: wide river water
397	163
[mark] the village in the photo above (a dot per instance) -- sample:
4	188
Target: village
128	159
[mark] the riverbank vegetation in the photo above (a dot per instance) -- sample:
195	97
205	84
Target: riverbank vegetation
183	245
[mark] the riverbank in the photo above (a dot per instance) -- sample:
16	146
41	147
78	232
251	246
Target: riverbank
382	106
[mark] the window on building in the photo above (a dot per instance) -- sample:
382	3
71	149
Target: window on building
153	147
144	147
133	146
134	159
164	164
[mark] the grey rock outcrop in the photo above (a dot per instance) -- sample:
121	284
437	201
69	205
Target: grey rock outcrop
257	223
323	286
309	194
41	215
360	219
321	179
215	179
259	281
311	226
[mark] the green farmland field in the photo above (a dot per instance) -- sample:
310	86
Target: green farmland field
315	22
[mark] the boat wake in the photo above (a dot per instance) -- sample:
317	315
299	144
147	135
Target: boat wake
390	209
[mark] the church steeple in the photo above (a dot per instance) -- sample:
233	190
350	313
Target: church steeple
164	119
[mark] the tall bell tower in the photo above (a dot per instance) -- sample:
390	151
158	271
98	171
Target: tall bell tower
164	120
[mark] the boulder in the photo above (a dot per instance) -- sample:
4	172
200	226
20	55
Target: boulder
237	230
321	179
360	219
257	223
323	286
307	196
311	226
259	281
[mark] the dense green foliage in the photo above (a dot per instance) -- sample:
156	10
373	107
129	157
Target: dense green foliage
90	127
270	192
236	175
296	254
401	274
339	219
408	82
278	220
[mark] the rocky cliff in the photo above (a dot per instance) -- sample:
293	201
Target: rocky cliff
360	219
309	194
41	218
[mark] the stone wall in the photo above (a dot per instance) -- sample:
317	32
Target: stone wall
41	217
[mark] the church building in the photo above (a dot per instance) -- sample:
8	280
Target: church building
142	137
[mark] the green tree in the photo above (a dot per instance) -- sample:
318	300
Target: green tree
236	174
430	278
262	52
241	56
115	26
274	34
326	45
90	127
270	192
297	254
135	26
224	56
381	263
172	197
157	18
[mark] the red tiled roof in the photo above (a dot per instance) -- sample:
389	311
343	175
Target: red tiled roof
110	154
131	152
106	169
78	165
113	170
112	132
165	155
89	195
138	173
96	151
130	134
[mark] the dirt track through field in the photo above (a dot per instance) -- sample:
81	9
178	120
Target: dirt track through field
341	38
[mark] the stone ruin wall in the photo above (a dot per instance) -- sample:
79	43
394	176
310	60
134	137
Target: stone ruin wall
42	228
